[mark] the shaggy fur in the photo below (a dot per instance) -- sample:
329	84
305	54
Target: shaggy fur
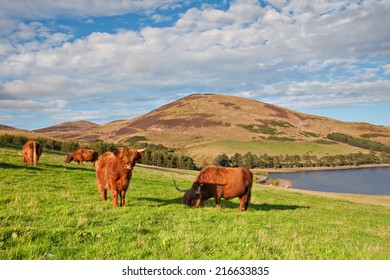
189	197
31	152
81	155
114	171
220	182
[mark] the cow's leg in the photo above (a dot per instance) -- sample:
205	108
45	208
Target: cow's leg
103	194
217	202
114	195
243	200
102	189
248	200
29	159
122	195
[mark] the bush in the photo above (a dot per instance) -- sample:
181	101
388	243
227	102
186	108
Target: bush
359	142
135	139
264	129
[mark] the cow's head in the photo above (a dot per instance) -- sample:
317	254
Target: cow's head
129	156
193	196
68	159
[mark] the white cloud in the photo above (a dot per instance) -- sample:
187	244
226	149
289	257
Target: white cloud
25	105
160	18
40	86
334	93
301	53
33	9
386	69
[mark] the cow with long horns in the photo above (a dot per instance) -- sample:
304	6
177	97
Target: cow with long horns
114	171
220	182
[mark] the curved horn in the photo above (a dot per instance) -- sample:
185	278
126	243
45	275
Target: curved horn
179	189
141	150
198	191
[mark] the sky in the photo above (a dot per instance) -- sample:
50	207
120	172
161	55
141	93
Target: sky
100	61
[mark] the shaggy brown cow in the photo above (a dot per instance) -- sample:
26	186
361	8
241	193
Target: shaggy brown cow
113	172
220	182
31	152
81	155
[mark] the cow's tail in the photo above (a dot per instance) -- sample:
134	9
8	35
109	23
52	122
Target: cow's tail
35	160
250	183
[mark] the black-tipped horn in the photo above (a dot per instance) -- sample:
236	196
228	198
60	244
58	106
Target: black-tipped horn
179	189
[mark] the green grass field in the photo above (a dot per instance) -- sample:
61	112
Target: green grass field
49	212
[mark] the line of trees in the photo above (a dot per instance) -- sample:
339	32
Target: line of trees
359	142
57	145
48	143
159	155
251	160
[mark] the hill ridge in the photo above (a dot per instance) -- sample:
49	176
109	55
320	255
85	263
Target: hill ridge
196	122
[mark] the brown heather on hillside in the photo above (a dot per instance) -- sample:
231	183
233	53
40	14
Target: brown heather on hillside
79	131
5	128
198	121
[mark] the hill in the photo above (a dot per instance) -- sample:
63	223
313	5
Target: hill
9	129
205	125
80	131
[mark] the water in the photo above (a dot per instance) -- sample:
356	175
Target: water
373	181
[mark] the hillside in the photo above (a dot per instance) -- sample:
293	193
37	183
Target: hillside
205	125
9	129
80	131
206	117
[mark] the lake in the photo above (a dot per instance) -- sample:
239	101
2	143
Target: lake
373	181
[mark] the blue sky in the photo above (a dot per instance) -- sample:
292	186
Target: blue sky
107	60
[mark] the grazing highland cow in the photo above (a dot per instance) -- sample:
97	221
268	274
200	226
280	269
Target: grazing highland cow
220	182
113	172
31	152
81	155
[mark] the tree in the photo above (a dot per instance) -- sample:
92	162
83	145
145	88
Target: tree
251	160
237	160
222	160
266	161
385	157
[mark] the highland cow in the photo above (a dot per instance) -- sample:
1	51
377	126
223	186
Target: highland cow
220	182
81	155
114	171
31	152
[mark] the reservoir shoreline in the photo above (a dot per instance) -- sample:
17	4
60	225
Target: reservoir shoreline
322	168
369	180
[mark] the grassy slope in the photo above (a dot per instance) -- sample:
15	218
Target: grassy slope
50	212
